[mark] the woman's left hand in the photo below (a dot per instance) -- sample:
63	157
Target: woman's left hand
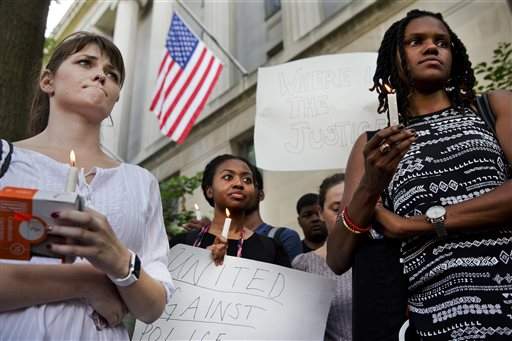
93	238
393	225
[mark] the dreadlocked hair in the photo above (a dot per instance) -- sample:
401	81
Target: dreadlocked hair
459	86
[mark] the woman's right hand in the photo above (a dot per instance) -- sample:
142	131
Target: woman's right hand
104	298
382	154
219	249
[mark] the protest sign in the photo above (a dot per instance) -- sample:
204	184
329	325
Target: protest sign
240	300
309	112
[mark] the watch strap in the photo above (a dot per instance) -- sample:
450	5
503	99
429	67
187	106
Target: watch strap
440	229
133	272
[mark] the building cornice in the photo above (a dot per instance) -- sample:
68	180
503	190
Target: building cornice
72	18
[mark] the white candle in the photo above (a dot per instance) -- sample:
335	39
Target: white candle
198	212
392	105
227	224
71	181
72	178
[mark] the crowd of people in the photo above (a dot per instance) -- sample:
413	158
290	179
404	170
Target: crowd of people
418	227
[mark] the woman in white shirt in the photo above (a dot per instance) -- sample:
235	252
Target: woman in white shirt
339	320
119	238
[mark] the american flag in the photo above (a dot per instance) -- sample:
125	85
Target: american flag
186	77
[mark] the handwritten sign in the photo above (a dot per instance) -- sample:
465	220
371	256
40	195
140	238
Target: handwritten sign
242	299
310	112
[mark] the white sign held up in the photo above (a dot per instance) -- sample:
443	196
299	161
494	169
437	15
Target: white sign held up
309	112
240	300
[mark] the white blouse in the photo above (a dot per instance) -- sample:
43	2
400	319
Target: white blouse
129	197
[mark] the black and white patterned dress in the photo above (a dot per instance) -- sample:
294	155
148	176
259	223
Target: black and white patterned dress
460	287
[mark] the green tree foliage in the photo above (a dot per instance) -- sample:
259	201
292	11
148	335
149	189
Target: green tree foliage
49	45
173	192
498	73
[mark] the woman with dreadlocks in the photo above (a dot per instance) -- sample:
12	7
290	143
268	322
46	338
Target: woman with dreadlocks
436	185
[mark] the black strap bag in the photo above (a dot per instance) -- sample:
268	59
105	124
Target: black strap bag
5	157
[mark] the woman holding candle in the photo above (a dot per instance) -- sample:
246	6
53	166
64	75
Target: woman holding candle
445	193
228	186
119	237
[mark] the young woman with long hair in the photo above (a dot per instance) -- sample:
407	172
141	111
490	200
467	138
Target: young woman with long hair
119	238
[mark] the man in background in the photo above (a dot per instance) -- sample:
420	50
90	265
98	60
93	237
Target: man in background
315	232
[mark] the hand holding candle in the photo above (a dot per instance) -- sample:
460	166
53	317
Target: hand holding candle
392	106
227	224
72	178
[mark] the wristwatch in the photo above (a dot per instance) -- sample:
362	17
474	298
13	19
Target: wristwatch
133	273
437	215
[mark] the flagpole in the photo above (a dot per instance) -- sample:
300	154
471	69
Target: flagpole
226	53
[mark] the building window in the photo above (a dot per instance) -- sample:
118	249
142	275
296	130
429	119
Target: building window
257	37
243	146
272	7
247	151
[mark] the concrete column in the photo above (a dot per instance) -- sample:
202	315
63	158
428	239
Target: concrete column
160	20
299	18
125	32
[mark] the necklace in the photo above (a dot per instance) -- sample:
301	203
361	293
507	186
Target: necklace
206	228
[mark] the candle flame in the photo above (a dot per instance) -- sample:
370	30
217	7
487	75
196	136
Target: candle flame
196	206
72	158
227	213
389	89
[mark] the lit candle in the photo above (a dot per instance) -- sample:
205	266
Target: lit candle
227	224
198	212
71	181
72	178
392	105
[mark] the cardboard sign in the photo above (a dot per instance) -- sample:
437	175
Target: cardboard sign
240	300
310	112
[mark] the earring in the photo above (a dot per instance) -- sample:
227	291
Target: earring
111	122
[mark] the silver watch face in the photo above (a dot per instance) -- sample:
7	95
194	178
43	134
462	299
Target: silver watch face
435	212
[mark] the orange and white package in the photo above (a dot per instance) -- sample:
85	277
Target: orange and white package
25	215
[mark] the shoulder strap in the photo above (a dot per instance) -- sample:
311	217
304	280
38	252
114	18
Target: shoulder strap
5	156
486	112
275	233
272	232
279	232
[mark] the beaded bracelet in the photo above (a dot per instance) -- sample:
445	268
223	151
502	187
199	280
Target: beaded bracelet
341	220
350	225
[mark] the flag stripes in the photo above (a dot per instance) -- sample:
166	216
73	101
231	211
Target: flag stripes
187	75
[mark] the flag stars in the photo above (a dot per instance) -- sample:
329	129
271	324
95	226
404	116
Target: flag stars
180	96
181	42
